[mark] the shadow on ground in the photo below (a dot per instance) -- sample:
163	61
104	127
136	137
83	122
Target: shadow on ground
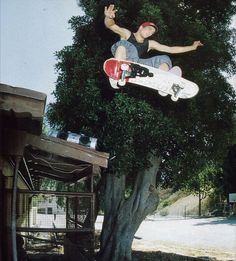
137	256
161	256
223	221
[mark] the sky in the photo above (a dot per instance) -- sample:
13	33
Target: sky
31	32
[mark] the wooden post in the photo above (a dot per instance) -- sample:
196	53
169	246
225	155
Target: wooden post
14	145
13	208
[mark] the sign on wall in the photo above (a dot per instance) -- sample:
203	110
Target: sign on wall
232	197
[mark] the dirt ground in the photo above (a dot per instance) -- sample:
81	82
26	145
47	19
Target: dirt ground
176	252
162	251
162	256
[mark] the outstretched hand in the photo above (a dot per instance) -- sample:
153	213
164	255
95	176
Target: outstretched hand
196	44
110	11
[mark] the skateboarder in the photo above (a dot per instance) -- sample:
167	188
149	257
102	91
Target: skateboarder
132	46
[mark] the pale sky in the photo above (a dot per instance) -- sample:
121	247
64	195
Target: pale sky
31	32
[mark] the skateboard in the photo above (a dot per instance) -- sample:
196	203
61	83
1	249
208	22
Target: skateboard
121	72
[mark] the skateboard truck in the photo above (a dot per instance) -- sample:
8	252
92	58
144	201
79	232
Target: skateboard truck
138	70
125	69
132	71
176	90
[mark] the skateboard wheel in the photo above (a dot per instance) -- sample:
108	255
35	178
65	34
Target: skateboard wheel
162	93
114	83
124	67
173	98
121	83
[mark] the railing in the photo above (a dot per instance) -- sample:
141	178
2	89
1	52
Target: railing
49	220
54	211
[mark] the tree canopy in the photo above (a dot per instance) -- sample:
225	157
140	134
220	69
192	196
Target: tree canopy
134	121
134	124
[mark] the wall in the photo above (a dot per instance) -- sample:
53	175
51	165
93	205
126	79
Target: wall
1	214
6	179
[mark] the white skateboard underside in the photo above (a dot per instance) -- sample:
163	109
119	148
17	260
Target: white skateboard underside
165	83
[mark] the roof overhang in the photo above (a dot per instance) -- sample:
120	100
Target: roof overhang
21	118
22	109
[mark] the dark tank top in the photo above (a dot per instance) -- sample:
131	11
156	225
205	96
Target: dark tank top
142	48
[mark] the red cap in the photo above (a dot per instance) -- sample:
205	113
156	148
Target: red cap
149	24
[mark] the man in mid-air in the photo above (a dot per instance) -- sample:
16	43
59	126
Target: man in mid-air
132	46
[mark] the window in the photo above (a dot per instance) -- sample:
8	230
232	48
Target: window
41	211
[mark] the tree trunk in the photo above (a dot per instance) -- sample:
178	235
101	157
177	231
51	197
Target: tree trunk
200	203
122	217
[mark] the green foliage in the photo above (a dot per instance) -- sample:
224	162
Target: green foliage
48	184
206	179
229	177
134	122
133	130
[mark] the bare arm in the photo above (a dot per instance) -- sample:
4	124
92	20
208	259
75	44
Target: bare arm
153	45
109	22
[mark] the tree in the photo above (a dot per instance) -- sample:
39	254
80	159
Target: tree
151	140
205	182
229	178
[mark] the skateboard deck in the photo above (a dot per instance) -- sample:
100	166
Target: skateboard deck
166	83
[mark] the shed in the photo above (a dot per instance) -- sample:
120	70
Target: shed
27	156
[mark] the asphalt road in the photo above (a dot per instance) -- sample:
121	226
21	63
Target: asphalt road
214	237
210	232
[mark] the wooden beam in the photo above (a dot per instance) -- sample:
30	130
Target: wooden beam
4	88
58	230
22	101
14	142
59	193
68	149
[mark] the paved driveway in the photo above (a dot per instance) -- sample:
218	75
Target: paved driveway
211	237
210	232
215	237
